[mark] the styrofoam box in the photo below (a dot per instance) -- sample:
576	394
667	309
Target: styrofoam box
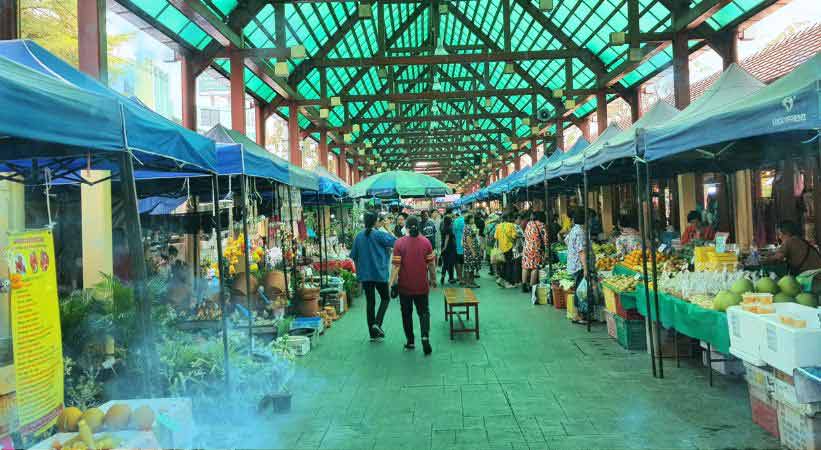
174	419
130	439
759	377
798	432
301	345
786	393
787	348
748	334
730	365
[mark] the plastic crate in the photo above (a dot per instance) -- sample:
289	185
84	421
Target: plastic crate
787	348
612	303
631	333
764	411
610	298
559	297
562	256
759	377
610	319
797	431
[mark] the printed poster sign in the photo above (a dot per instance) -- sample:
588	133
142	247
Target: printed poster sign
35	329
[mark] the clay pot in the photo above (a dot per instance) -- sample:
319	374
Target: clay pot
308	307
239	284
274	284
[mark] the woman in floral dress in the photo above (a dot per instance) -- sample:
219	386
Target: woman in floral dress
473	253
535	244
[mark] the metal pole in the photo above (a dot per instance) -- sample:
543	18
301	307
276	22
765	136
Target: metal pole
648	320
651	235
137	257
729	189
282	245
293	237
319	242
325	225
247	257
587	250
215	189
549	219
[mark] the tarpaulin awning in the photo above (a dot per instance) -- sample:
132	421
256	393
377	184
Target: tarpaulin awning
698	124
46	101
399	183
623	144
537	173
246	157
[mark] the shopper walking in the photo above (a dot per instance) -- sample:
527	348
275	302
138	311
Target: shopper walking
428	229
535	245
458	234
520	222
473	251
370	254
448	249
577	260
412	276
505	235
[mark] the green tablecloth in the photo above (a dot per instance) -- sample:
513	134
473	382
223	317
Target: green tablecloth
621	269
691	320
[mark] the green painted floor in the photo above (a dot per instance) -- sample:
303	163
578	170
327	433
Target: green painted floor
533	381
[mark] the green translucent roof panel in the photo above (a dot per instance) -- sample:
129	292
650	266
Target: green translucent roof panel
731	12
253	83
172	19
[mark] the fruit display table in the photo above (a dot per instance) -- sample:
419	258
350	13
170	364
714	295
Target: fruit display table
688	319
621	269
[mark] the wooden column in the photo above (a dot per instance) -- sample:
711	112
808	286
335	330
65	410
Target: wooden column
607	216
323	148
726	45
560	133
294	152
237	81
743	209
686	197
188	80
681	70
534	151
91	38
601	111
517	163
341	163
785	198
634	100
259	123
9	19
584	127
95	207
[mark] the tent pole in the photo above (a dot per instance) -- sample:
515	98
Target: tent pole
549	220
651	236
729	190
648	320
246	249
587	249
293	236
215	188
282	244
319	242
137	257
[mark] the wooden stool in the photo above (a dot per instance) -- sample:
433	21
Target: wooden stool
458	297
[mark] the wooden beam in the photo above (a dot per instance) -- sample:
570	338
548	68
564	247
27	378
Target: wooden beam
198	13
302	70
499	56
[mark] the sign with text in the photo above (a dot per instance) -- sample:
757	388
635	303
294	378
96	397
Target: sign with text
35	329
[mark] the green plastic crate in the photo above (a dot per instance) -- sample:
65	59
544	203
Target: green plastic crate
562	256
631	333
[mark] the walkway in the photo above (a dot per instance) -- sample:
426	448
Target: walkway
533	381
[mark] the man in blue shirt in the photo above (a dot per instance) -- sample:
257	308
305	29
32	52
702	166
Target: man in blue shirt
371	254
458	232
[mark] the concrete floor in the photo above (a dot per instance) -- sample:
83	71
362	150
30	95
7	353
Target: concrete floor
533	381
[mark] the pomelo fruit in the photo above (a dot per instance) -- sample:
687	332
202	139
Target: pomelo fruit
789	285
117	417
783	298
766	285
807	299
742	286
67	421
94	418
725	299
143	418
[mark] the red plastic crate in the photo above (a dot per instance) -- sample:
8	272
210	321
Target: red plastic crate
764	411
559	297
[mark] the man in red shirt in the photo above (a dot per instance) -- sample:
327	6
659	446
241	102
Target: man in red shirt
414	267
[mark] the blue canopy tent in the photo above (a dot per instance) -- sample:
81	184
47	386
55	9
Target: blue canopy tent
332	189
47	101
537	173
573	163
623	144
711	118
